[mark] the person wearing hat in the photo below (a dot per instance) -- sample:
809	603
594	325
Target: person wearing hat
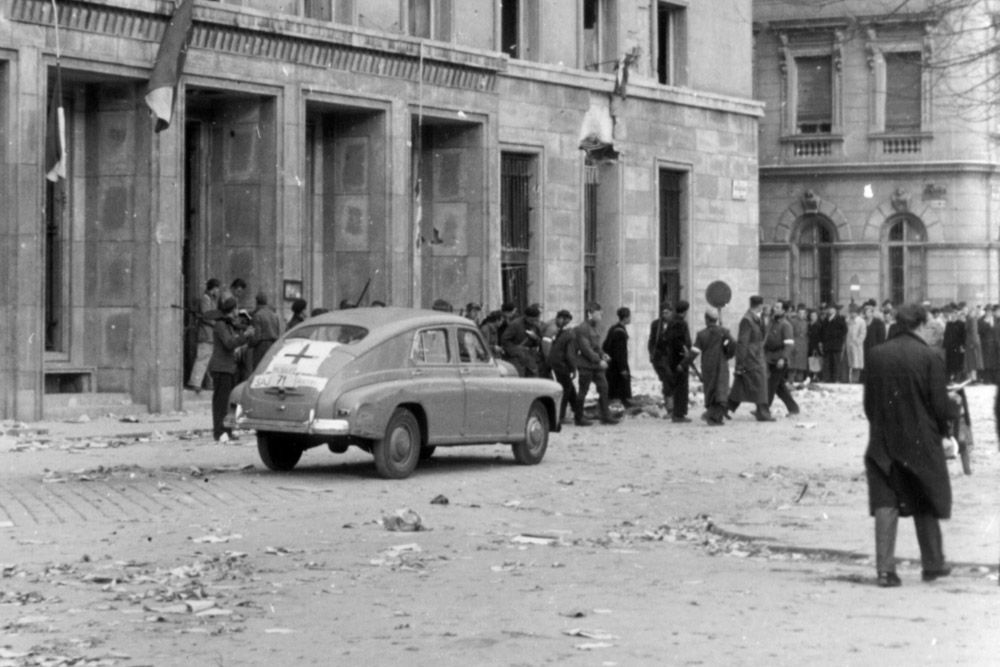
716	347
906	403
208	309
616	347
521	341
833	337
677	343
223	365
750	383
657	346
857	330
591	363
561	359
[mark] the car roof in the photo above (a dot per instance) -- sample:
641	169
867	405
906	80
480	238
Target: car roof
383	323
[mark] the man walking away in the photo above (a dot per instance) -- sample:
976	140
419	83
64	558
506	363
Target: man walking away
906	403
562	361
750	383
716	348
591	363
778	347
616	347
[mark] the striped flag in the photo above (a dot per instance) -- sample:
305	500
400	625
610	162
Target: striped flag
55	133
169	65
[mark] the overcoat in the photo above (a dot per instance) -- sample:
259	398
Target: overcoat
616	347
906	403
973	345
717	348
750	382
800	353
856	332
954	346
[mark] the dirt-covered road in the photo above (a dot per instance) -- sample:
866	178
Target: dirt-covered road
646	543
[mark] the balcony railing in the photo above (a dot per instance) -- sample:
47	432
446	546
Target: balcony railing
897	145
812	146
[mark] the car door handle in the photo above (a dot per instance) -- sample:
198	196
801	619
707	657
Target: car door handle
416	371
464	371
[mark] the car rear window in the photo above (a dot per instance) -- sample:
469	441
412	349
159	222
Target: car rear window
345	334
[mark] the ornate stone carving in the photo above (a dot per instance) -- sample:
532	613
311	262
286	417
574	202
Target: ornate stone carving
810	202
900	201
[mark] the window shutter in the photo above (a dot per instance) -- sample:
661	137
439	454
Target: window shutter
815	104
902	96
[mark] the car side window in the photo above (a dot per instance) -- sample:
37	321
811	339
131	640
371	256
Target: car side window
430	346
471	348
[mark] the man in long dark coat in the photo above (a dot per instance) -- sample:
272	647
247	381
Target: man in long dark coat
750	383
833	337
906	403
954	342
616	347
716	347
677	344
657	347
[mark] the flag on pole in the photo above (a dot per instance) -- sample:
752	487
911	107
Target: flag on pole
55	130
169	65
55	133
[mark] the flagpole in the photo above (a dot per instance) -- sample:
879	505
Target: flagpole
418	213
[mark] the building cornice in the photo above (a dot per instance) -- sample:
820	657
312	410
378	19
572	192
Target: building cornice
877	169
244	32
638	87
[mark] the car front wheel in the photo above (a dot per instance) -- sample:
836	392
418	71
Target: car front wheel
536	436
397	453
277	454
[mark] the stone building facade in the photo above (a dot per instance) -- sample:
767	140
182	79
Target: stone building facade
394	150
878	151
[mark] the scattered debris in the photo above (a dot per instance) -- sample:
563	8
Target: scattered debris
439	500
527	538
589	634
404	520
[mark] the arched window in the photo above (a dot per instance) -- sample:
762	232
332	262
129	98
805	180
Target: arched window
903	257
813	263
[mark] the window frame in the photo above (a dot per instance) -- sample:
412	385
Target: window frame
605	38
676	67
816	296
829	46
477	335
878	90
440	20
913	288
418	336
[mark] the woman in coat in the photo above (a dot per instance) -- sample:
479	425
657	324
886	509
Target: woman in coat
815	333
857	329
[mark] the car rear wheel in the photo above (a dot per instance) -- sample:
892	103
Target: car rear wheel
278	453
536	436
397	453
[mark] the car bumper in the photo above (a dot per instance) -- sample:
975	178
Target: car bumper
312	426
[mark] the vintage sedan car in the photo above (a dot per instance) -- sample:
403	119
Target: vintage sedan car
396	382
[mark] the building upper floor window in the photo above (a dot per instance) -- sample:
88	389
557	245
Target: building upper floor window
598	39
670	43
519	28
814	93
430	19
903	91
